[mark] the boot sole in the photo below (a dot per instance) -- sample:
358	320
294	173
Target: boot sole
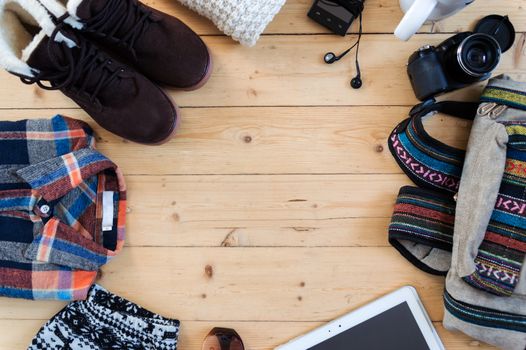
177	110
176	125
205	78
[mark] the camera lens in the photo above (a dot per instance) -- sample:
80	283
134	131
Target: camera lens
478	54
476	57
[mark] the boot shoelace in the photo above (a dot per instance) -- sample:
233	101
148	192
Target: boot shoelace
74	72
109	22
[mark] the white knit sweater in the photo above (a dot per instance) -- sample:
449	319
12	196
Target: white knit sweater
244	20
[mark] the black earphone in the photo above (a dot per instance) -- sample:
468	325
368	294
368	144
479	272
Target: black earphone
356	8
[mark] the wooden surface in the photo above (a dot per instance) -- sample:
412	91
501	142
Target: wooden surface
268	212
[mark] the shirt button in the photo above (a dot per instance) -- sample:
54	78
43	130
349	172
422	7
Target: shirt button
45	209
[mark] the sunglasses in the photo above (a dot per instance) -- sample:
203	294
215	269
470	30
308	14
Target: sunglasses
223	339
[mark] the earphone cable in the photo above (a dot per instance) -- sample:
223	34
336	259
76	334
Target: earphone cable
358	47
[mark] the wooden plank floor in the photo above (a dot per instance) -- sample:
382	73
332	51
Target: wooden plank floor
268	212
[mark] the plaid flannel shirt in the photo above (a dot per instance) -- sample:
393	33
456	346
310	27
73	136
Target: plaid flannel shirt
62	209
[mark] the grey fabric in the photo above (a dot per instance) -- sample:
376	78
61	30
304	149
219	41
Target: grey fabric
521	286
437	259
479	186
13	251
39	151
8	173
462	291
504	339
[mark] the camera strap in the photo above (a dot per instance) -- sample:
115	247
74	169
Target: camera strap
424	159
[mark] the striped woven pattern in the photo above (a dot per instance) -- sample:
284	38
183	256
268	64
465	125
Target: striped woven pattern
428	166
505	96
424	217
51	185
482	316
502	252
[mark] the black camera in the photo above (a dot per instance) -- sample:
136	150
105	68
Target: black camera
461	60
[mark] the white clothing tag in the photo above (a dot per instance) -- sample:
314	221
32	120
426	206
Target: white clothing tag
107	210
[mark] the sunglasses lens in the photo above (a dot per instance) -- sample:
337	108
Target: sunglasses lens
211	343
236	344
223	339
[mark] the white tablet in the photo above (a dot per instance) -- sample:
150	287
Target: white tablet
397	321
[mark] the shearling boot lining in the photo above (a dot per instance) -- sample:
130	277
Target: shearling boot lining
15	38
58	9
16	42
73	6
37	39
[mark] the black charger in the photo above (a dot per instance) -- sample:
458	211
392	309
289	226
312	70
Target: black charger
335	15
338	15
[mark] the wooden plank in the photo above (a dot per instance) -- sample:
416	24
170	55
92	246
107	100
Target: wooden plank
169	210
351	210
17	334
287	71
253	284
380	16
291	140
352	232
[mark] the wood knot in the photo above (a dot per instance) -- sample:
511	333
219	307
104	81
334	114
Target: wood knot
203	296
302	284
247	139
37	91
209	271
379	148
230	239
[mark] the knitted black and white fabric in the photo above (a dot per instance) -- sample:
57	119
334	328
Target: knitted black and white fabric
105	321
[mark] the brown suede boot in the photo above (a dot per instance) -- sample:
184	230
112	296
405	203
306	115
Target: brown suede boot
160	46
114	95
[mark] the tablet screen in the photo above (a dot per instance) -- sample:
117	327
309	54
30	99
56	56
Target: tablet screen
394	329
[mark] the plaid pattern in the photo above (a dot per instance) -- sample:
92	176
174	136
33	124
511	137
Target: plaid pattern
52	182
